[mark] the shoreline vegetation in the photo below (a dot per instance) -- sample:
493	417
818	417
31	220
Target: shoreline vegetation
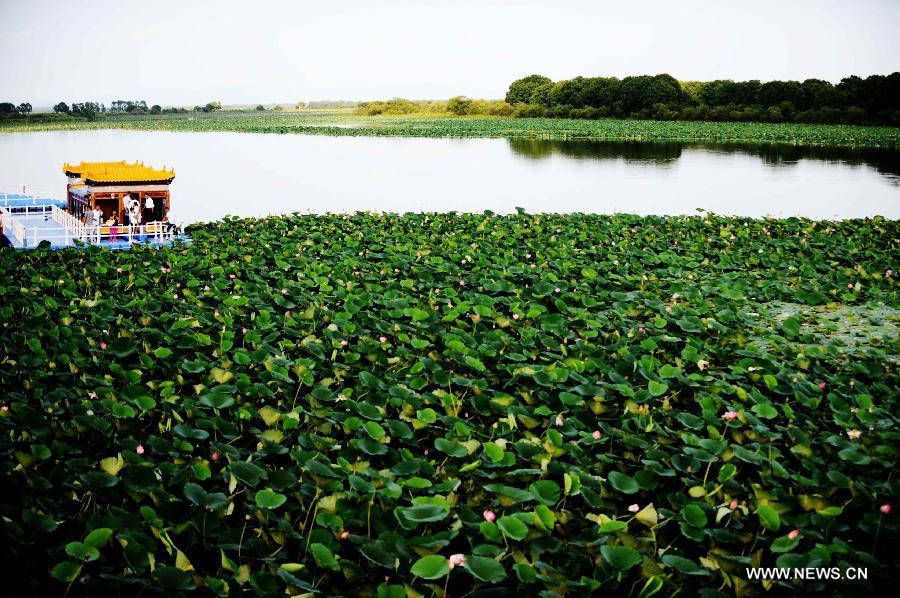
345	123
524	403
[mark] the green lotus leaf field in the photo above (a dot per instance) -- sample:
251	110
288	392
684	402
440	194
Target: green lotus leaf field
462	404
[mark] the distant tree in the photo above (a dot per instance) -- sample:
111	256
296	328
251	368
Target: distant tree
540	94
7	108
596	92
212	106
301	105
62	107
24	108
459	105
644	92
693	89
818	94
522	89
155	109
565	92
88	110
260	107
400	106
773	93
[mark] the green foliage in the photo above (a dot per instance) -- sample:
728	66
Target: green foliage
521	90
439	124
875	99
223	445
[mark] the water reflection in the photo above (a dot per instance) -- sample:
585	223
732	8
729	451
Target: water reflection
660	154
645	151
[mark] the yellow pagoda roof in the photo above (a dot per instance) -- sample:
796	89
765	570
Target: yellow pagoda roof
118	172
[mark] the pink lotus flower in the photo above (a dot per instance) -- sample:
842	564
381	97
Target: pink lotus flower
822	385
175	296
214	456
559	420
734	504
206	288
382	339
232	276
140	449
794	534
287	314
886	508
489	516
730	415
341	398
5	409
92	395
103	346
668	309
343	342
557	290
345	534
244	330
596	435
515	316
457	560
641	330
854	434
634	508
119	270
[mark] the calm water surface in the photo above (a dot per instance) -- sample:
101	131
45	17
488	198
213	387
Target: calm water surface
247	174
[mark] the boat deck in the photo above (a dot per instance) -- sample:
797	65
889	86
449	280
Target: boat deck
27	221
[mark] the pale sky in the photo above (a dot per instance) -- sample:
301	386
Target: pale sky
175	52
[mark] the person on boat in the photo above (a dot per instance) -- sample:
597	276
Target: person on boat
135	215
169	219
148	209
113	224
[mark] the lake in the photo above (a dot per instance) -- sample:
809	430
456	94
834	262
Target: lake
247	174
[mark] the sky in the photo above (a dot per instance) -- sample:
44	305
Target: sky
188	52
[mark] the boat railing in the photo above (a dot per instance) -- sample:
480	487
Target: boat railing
22	192
101	234
9	223
13	219
29	210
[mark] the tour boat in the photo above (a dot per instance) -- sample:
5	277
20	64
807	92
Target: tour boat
110	204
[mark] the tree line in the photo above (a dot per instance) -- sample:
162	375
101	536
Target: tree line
875	99
91	110
10	109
